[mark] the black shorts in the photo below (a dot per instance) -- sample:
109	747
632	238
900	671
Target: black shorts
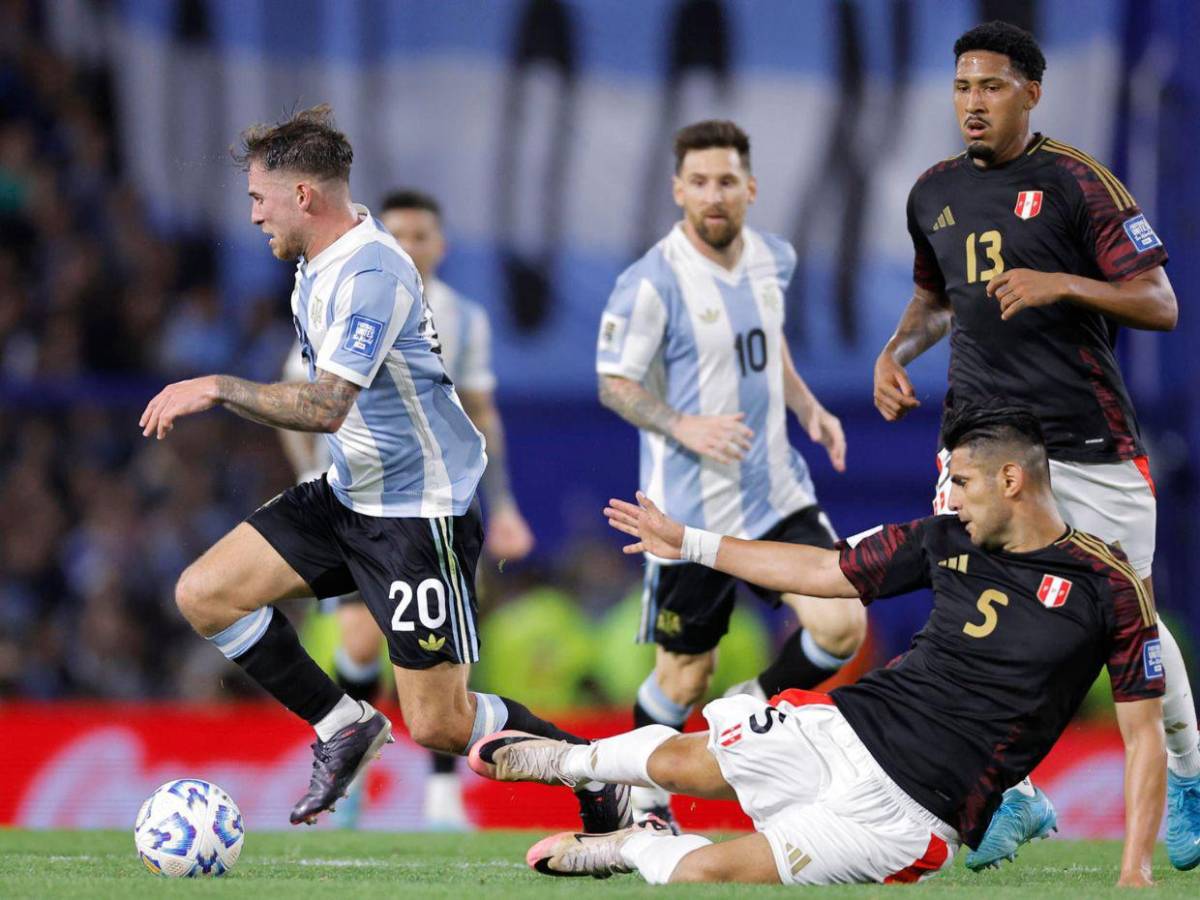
686	606
417	576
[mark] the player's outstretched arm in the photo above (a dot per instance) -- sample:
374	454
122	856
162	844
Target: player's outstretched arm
1145	786
299	406
925	321
822	426
794	568
1146	301
725	439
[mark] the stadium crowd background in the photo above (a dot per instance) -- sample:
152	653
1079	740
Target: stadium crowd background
103	299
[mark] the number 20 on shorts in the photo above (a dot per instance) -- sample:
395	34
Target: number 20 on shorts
429	592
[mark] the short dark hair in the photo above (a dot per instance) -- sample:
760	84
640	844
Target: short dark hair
407	198
305	142
711	133
997	424
1017	44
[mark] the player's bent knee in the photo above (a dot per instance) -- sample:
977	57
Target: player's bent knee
437	732
194	598
843	634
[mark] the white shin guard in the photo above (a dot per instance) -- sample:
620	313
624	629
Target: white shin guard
1179	714
621	759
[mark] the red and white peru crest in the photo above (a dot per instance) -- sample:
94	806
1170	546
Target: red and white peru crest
1053	592
1029	204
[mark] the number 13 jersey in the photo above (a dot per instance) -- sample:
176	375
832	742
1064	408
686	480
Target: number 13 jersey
708	341
1052	209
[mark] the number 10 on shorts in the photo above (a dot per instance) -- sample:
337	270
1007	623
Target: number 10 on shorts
430	618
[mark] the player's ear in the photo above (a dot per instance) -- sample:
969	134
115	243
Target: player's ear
1012	479
751	189
304	195
1033	94
677	190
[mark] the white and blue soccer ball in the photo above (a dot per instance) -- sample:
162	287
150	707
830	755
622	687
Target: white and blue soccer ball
189	829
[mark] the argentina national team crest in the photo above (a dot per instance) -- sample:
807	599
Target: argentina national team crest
1029	204
1053	591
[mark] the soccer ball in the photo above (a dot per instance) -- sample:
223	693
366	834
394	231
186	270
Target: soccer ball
189	828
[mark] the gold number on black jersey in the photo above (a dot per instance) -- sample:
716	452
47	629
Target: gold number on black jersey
990	242
985	605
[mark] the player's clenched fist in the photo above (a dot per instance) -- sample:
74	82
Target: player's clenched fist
656	533
175	400
894	394
725	439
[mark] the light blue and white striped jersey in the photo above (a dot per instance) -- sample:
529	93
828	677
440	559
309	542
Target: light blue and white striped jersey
407	448
706	340
465	334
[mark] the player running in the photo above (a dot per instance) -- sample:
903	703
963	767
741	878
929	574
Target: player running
880	781
691	352
414	219
396	516
1031	254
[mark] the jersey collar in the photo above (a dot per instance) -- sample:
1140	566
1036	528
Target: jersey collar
729	276
360	234
1012	165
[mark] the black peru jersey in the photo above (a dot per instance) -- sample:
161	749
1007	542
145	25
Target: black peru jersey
1014	642
1052	209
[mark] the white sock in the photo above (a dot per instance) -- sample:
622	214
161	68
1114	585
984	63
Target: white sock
1179	714
621	759
657	855
347	712
1024	786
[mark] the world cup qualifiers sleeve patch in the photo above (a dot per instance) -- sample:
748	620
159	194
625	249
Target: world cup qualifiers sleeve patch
612	332
362	336
1152	659
1141	235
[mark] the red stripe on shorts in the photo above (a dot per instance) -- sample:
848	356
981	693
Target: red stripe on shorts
797	697
1143	465
935	857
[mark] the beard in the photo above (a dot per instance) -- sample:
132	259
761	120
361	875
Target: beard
286	249
981	152
718	237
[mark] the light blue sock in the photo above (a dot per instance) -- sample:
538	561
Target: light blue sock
244	633
491	715
661	708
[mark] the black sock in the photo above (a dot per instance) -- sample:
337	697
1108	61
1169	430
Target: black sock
521	719
792	668
281	667
365	689
641	718
443	763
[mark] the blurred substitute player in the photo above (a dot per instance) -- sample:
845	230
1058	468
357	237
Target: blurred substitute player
1031	254
396	516
691	351
880	781
414	219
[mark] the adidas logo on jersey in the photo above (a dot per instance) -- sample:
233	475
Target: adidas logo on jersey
709	316
944	220
957	563
432	644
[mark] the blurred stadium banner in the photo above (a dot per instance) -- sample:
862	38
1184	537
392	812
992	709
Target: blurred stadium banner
91	765
545	129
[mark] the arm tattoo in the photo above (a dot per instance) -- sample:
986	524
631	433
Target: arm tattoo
636	405
297	406
923	324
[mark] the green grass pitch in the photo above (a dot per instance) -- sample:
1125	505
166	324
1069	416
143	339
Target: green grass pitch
101	864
